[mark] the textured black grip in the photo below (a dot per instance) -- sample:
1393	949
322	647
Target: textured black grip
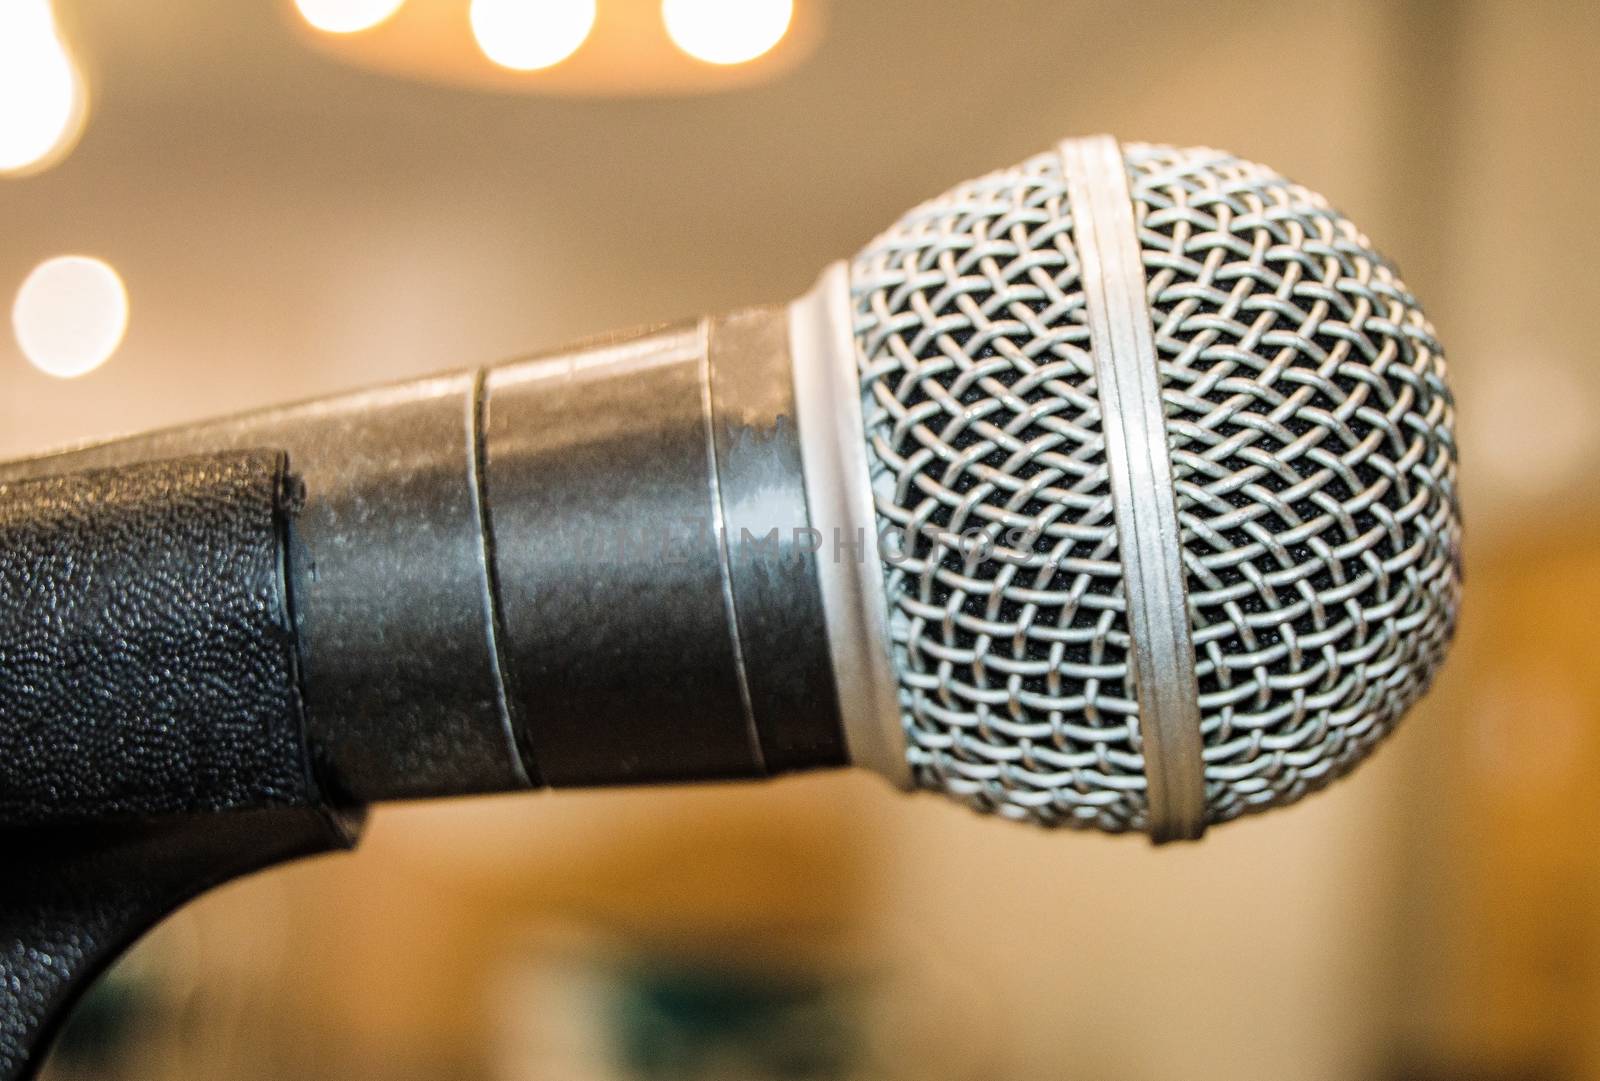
151	737
147	659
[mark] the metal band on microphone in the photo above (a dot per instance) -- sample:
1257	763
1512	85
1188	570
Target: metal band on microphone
827	397
1140	465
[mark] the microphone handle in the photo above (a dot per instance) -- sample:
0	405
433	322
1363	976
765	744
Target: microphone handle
592	567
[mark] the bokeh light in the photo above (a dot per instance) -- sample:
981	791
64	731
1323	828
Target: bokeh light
41	94
526	35
346	16
70	315
726	31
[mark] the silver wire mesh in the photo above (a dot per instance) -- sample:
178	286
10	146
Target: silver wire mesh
1311	437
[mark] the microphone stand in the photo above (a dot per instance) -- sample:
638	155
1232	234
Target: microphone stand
71	900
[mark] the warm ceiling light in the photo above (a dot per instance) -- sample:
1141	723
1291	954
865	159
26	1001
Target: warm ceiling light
346	16
626	53
526	35
726	31
41	95
70	315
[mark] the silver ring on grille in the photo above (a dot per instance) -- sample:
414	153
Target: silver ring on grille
1140	465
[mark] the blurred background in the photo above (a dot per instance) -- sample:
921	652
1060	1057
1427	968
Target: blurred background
261	200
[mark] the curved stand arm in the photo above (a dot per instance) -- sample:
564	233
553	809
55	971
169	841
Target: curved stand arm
71	900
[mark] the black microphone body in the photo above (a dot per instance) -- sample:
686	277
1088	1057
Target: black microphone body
592	567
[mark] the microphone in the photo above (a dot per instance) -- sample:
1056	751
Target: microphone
1115	490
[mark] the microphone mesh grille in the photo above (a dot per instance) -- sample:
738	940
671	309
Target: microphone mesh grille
1310	429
